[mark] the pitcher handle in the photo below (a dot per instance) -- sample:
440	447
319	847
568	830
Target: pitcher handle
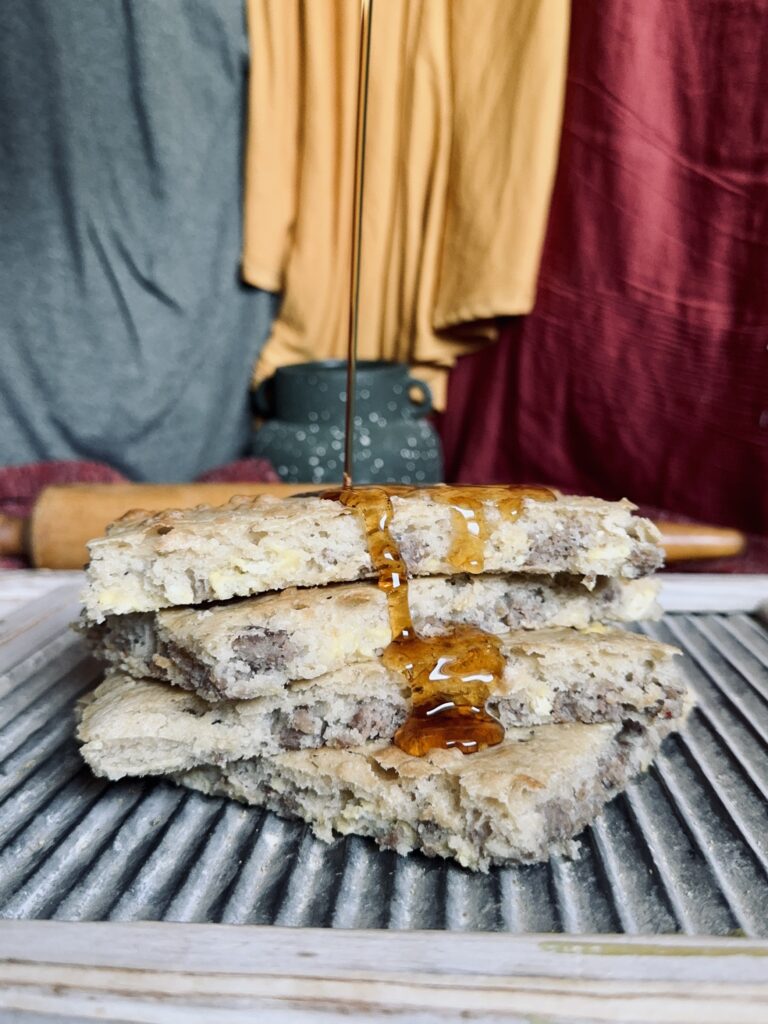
424	407
261	399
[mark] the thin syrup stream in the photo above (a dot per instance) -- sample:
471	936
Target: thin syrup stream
361	127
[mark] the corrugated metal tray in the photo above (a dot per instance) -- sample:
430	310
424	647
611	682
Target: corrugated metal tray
685	849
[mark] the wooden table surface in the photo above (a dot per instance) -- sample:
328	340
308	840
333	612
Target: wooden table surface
188	973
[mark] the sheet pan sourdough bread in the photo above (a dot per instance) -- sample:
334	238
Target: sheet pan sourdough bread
255	646
253	545
519	802
138	727
471	705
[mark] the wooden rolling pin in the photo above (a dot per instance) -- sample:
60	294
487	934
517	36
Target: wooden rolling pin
65	517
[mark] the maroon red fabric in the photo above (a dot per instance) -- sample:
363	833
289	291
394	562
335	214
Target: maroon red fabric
242	471
643	370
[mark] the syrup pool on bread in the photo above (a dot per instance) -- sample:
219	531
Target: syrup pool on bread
450	676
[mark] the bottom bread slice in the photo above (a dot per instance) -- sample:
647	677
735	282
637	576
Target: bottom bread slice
517	803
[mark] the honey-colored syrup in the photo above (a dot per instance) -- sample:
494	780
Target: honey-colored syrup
451	676
470	528
375	508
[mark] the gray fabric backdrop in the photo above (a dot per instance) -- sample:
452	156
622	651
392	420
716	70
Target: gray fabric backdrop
125	334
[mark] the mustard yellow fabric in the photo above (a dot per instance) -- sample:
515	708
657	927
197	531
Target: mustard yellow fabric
463	131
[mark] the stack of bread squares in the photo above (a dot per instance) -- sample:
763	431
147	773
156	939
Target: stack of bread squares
439	669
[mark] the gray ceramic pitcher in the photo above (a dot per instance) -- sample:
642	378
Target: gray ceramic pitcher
303	434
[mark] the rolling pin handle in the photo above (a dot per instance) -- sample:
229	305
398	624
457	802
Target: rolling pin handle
683	541
13	535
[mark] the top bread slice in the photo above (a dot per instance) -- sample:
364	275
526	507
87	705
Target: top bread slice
252	545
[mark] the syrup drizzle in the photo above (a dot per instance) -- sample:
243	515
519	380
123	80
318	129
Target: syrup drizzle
470	528
451	676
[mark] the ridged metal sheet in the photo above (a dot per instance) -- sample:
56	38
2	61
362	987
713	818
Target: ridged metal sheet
685	849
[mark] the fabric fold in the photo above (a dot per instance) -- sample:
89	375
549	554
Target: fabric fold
463	131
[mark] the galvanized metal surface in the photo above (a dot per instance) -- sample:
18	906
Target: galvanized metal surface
684	849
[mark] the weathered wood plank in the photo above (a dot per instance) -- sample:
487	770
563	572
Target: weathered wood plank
317	952
167	973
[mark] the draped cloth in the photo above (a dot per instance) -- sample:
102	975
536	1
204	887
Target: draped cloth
463	129
126	334
643	370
